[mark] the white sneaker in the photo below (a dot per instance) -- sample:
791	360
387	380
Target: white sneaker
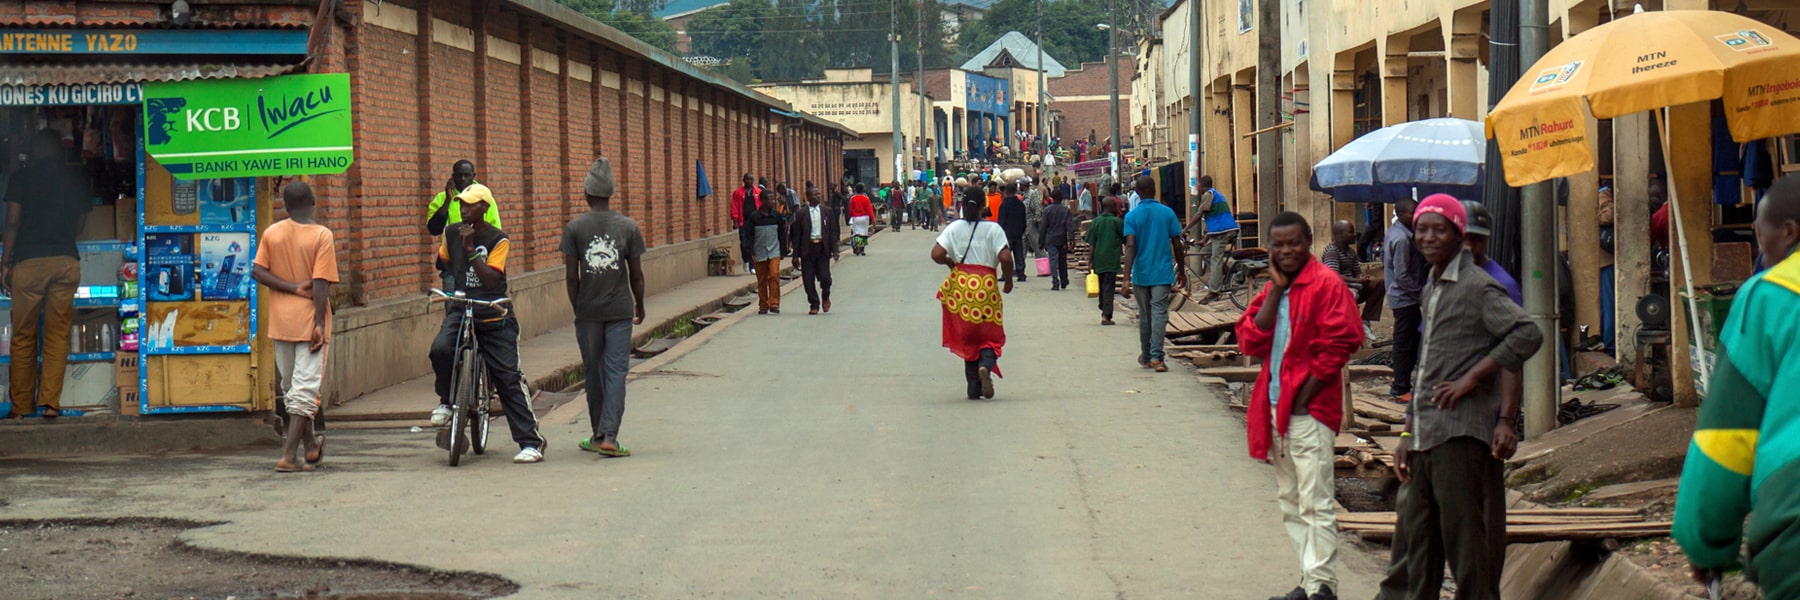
440	415
529	455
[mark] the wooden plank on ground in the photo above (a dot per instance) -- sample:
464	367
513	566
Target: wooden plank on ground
1636	490
1386	412
1189	322
1536	525
1247	374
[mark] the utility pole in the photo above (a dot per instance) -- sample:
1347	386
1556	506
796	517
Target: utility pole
925	132
1196	120
1112	59
1043	145
894	78
1268	111
1537	256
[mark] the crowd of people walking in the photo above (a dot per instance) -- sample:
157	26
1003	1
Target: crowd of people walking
1460	337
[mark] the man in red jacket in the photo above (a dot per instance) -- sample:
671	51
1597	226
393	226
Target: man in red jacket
745	201
1304	325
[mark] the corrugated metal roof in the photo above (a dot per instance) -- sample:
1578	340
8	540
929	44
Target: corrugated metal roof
123	72
139	22
1023	51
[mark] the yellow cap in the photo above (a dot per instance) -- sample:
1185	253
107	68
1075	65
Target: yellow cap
476	193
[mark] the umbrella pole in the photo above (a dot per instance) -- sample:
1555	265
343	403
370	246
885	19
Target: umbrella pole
1687	263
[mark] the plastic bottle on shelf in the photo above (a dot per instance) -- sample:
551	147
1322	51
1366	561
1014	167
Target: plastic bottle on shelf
6	339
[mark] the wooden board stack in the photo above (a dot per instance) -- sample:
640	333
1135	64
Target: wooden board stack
1531	525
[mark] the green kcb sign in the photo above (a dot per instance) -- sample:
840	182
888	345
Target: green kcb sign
213	129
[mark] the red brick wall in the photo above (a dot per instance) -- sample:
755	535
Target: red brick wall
390	207
1092	80
545	159
532	133
583	125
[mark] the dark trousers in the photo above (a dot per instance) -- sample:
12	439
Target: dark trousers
605	361
1453	509
1059	267
1406	348
499	342
1108	288
1020	256
746	236
1370	297
972	368
815	272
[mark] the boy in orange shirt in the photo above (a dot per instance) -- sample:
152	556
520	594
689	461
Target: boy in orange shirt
297	258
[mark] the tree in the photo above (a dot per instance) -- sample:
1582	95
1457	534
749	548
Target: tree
630	16
856	32
793	40
732	32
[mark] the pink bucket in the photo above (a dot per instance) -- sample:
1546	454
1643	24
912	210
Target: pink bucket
1043	264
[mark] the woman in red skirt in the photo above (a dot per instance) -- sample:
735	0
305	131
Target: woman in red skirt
980	271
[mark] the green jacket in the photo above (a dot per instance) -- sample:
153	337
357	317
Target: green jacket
441	213
1745	455
1106	235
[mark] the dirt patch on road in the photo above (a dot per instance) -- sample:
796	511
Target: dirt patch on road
133	558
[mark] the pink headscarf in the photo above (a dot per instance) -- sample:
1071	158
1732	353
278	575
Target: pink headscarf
1446	206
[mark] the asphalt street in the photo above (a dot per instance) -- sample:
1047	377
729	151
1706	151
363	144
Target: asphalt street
829	456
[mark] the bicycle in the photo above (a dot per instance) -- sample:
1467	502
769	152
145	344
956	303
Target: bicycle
469	383
1246	269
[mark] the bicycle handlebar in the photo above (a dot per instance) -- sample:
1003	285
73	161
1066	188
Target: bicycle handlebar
441	296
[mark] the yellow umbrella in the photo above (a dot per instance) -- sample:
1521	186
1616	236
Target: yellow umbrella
1642	62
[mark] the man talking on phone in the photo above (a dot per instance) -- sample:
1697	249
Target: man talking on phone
441	212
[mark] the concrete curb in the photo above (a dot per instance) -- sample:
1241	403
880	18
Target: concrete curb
133	435
556	379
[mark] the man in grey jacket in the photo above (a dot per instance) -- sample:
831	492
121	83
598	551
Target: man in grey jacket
1034	216
1059	229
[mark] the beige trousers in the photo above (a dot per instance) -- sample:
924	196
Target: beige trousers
1304	473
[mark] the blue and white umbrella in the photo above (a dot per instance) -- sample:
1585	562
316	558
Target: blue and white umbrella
1431	156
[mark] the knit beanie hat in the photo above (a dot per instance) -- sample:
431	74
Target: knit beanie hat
1446	206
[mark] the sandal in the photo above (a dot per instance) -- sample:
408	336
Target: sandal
587	444
281	467
49	412
318	453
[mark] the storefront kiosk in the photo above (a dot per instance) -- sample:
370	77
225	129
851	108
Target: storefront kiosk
184	162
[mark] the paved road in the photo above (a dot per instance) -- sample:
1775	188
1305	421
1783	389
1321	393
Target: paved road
792	456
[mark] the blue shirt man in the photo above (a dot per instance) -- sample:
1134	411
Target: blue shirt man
1152	243
1152	224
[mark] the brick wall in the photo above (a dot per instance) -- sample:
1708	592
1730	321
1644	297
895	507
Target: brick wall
1081	97
532	126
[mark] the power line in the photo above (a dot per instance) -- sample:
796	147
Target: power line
692	32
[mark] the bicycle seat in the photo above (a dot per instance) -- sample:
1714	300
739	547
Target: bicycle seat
1249	253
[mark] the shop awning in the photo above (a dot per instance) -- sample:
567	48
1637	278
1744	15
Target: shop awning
87	73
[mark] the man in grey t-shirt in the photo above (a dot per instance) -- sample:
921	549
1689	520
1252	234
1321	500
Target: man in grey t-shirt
601	249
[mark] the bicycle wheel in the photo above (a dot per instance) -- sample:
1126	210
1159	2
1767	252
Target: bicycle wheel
463	395
478	414
1242	292
1179	296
